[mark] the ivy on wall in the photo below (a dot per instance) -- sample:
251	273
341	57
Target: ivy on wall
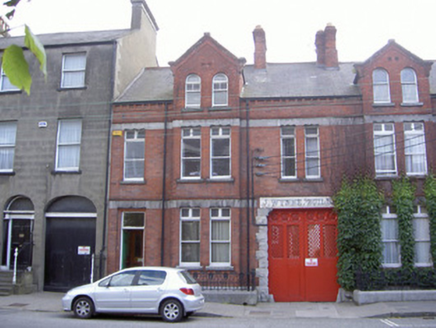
403	195
358	204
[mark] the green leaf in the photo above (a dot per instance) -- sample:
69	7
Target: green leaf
36	47
16	68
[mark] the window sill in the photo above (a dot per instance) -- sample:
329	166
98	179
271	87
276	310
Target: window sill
386	177
66	172
9	92
220	268
7	173
192	109
72	88
190	267
391	266
313	180
219	108
289	180
199	180
418	104
230	179
383	104
133	182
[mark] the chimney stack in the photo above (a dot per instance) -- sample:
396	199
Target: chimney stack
325	41
259	48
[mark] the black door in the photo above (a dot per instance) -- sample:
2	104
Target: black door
70	243
21	239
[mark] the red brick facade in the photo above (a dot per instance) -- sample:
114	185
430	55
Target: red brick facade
343	118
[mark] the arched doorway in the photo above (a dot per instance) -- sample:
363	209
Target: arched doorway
69	243
18	218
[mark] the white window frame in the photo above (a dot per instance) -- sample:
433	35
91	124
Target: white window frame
126	227
69	144
190	134
5	83
391	217
220	215
288	133
415	148
312	156
138	137
7	146
409	87
193	91
422	215
381	88
79	71
384	131
189	215
220	87
219	134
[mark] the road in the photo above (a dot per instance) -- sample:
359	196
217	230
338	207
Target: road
24	319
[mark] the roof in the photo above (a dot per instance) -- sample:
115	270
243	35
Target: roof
277	81
57	39
152	84
299	80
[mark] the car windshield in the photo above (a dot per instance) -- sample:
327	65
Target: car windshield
188	278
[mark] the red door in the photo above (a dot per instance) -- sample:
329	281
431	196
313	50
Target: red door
302	255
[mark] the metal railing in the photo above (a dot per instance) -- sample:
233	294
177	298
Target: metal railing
225	280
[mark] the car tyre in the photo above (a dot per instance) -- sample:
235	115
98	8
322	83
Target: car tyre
171	310
83	308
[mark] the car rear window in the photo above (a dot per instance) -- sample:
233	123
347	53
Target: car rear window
187	276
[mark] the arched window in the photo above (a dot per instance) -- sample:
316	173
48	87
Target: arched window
380	81
409	86
220	90
193	91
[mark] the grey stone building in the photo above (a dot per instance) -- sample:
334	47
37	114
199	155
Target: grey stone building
54	151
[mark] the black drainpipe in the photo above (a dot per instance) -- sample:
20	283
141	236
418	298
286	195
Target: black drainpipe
247	118
164	173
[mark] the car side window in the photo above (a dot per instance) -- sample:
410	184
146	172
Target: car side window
151	278
122	279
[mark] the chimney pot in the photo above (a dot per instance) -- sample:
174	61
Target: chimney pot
325	41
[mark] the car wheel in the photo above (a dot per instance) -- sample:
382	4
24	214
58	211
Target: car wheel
172	311
83	308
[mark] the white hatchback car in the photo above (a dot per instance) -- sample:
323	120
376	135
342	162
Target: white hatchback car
170	292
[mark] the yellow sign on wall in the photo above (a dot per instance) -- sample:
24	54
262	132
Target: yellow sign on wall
117	133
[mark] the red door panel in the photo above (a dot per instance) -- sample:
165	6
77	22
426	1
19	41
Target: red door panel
302	255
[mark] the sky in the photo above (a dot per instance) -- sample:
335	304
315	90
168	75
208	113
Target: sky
363	26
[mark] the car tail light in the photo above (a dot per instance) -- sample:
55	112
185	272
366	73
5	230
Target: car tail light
187	291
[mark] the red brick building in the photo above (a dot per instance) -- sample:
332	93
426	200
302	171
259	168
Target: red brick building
227	168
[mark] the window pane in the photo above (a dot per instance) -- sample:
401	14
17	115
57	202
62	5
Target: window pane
220	230
70	131
191	148
134	169
221	253
133	220
191	252
220	147
191	168
68	156
288	147
135	150
190	230
221	167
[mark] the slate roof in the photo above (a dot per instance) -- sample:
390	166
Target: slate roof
291	80
57	39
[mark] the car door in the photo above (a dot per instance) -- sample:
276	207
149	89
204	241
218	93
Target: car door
114	294
148	290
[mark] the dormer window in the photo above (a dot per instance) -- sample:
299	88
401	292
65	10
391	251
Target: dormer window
220	90
380	80
193	91
409	86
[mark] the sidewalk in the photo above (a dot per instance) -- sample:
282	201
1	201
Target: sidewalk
51	302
